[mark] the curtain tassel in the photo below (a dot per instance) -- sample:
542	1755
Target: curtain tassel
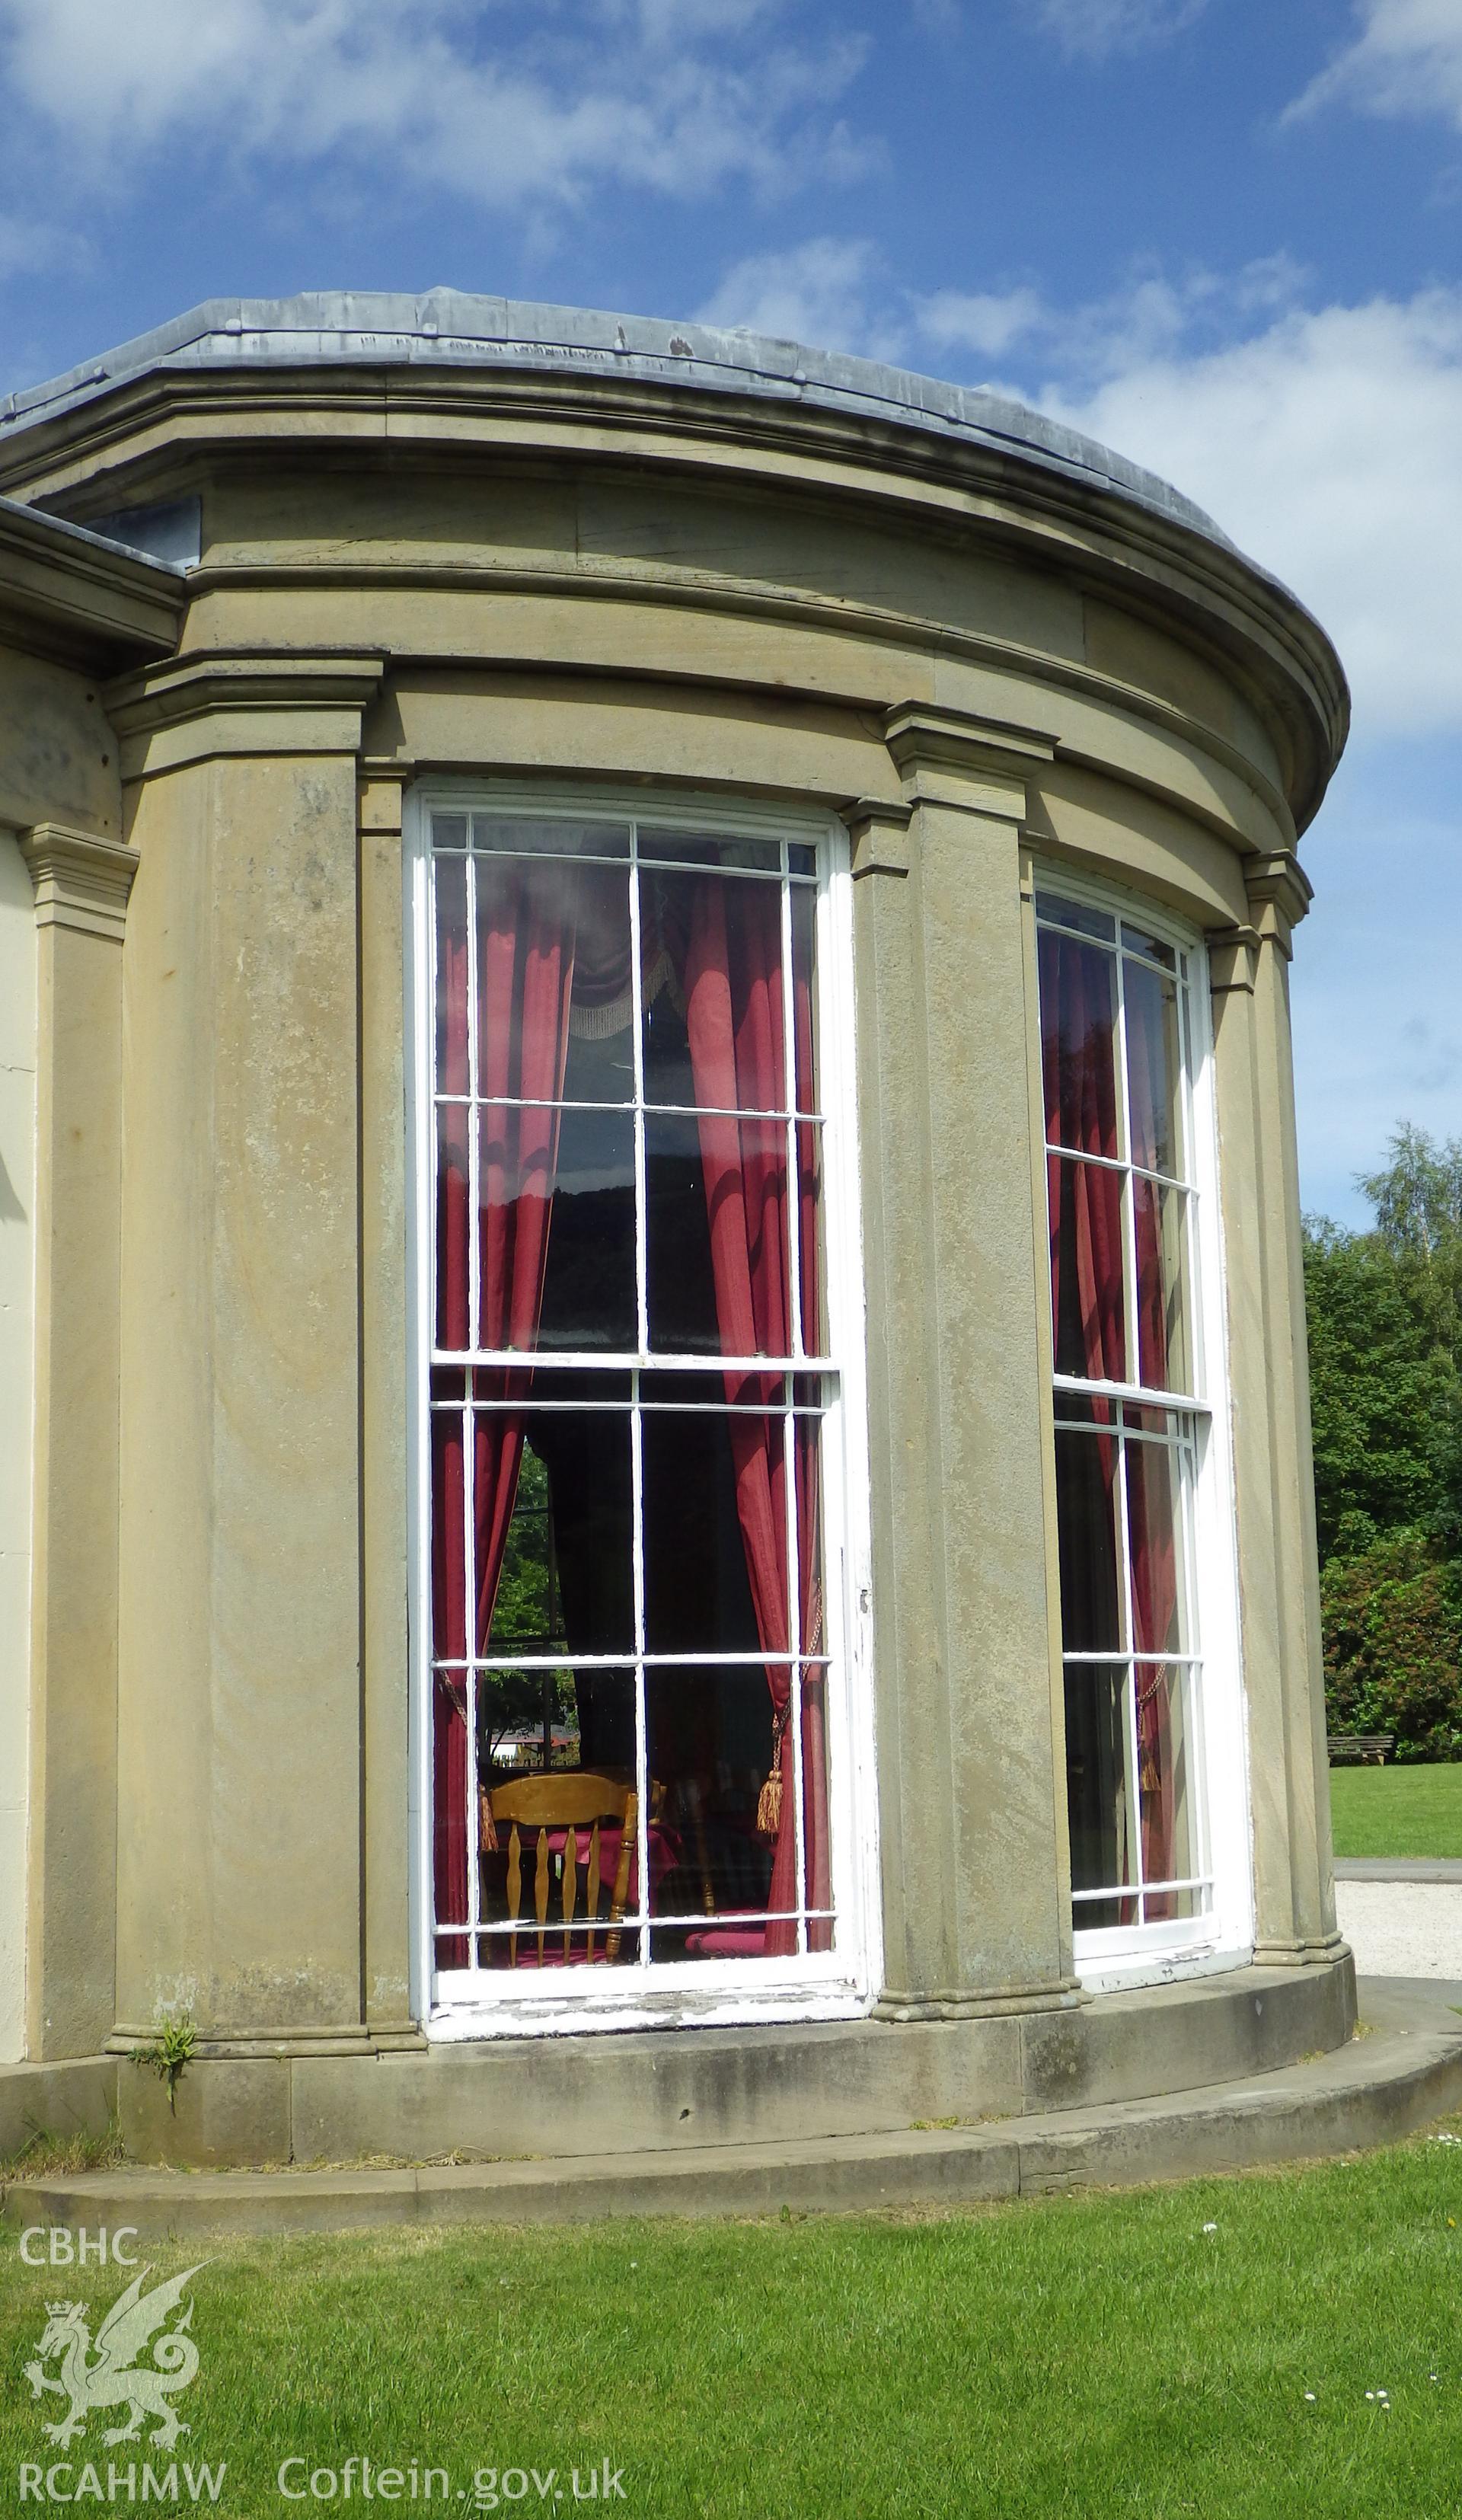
769	1801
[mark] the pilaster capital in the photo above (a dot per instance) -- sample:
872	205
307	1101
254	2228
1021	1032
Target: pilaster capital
380	791
978	765
1279	894
1232	960
81	880
878	828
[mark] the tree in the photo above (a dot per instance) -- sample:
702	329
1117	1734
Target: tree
1385	1318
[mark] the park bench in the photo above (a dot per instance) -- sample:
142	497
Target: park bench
1360	1749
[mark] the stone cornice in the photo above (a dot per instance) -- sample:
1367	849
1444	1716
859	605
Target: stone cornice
197	708
948	757
81	880
81	601
191	687
141	435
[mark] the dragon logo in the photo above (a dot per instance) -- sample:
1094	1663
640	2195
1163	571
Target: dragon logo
106	2374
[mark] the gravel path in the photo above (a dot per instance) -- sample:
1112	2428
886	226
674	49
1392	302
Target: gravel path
1402	1929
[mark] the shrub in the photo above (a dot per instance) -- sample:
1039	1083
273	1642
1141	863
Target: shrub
1393	1632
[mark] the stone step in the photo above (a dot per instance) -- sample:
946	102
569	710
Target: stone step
1378	2088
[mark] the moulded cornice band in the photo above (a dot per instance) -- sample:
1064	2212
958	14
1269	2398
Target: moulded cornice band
172	693
81	880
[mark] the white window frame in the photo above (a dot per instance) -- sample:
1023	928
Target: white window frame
836	1985
1221	1937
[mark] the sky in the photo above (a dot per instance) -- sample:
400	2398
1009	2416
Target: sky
1223	235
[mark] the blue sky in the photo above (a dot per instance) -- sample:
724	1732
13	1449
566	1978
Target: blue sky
1224	235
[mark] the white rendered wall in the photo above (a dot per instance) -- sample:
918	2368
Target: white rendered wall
17	1347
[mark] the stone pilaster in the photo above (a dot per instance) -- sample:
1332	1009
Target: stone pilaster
385	1575
82	883
972	1828
1274	1475
242	1726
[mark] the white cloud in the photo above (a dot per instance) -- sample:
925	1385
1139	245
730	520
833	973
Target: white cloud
1327	442
1405	60
988	325
674	95
1093	28
1329	445
819	291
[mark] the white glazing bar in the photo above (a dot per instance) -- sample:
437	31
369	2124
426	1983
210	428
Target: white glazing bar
637	1053
667	1361
475	1227
655	1111
788	1423
1102	1164
1129	1673
469	1631
1136	1395
641	1730
637	1423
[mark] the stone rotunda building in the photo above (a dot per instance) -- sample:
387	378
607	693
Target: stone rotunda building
655	1467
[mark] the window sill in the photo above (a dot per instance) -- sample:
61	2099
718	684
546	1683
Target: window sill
463	2012
1116	1964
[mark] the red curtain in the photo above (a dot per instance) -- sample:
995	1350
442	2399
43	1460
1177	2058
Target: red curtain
527	918
1087	1304
735	1020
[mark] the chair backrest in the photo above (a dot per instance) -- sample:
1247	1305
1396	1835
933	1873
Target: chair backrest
567	1799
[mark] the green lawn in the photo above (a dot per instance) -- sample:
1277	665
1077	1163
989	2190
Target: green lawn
1086	2356
1397	1811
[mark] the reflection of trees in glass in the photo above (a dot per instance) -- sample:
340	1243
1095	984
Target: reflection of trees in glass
527	1614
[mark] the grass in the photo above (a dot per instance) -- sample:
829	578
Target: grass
47	2154
1397	1811
1075	2358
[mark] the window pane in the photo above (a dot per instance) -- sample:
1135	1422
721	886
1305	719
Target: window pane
562	1574
1087	1273
553	967
1099	1795
1163	1341
1165	1786
587	1285
810	1264
1138	940
449	831
1155	1534
556	1228
710	1746
1075	914
453	1328
715	1232
450	887
539	835
1086	1518
557	1851
696	848
1077	1045
719	944
1154	1067
708	1573
805	1046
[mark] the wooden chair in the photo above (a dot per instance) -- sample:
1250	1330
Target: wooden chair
567	1800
